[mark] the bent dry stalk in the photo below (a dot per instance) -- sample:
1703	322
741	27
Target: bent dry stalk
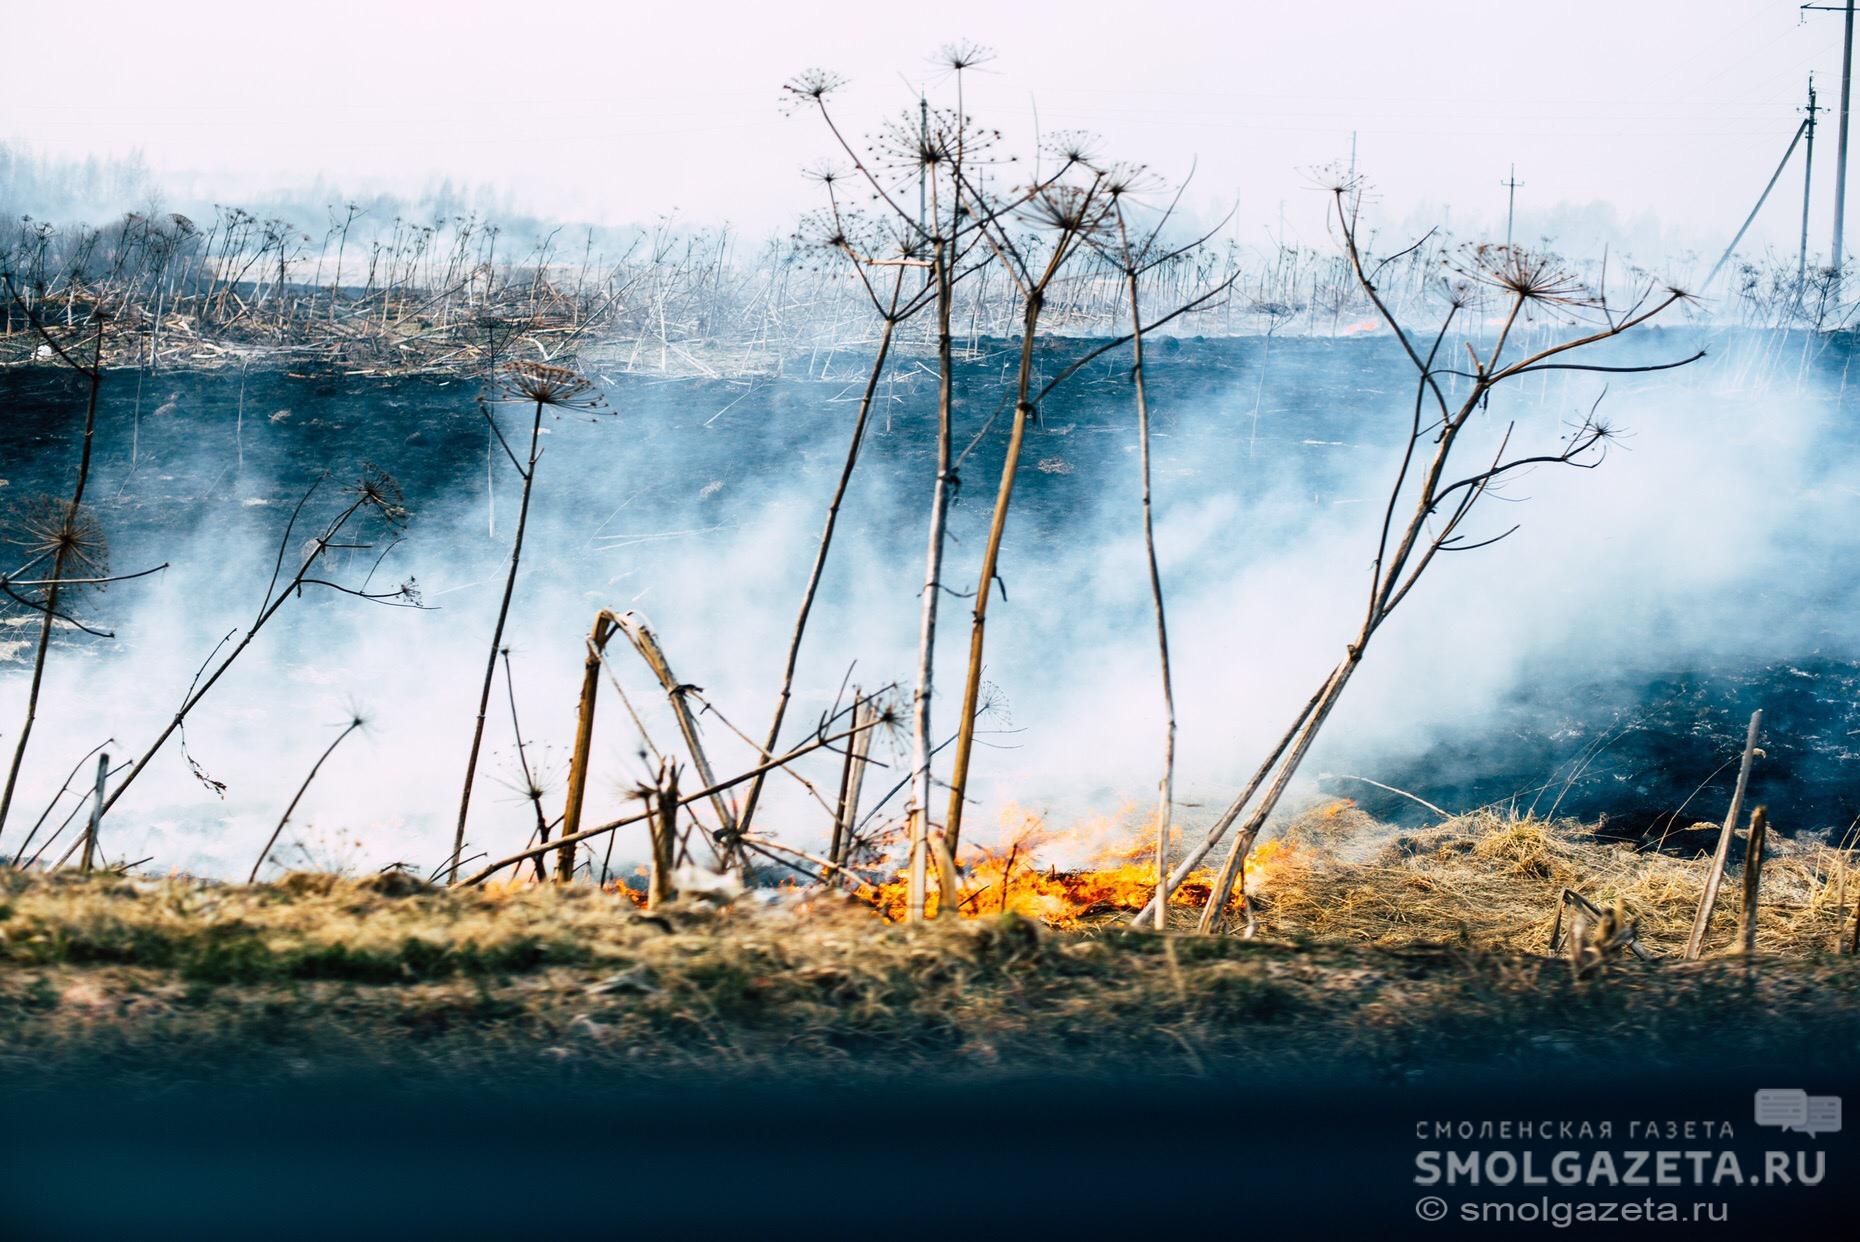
646	644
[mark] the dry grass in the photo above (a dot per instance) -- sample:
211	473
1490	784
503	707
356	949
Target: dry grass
1496	882
150	980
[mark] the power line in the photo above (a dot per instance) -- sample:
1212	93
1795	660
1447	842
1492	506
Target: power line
1761	199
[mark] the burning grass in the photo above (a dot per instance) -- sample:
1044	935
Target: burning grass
1337	874
1080	876
1427	948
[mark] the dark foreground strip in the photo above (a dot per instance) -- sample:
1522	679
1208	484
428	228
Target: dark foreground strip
1025	1157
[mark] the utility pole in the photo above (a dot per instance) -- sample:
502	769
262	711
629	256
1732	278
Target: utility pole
1838	259
1808	182
1511	201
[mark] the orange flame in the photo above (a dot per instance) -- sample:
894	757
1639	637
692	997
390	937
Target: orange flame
1029	873
1118	877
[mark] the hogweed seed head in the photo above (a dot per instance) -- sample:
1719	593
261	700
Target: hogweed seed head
549	385
1068	209
51	528
1527	275
963	54
376	489
811	86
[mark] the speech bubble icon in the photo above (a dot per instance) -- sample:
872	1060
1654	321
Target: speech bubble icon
1785	1108
1824	1115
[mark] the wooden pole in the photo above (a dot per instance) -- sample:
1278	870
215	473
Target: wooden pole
1837	259
1808	185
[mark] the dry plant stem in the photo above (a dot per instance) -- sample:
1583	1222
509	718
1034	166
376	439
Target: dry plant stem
971	689
584	740
605	625
19	854
646	643
852	780
949	888
270	610
1218	832
1396	572
497	641
820	554
1853	937
530	790
302	789
1403	793
921	743
1165	796
991	554
831	871
846	774
1753	878
94	373
59	831
664	838
1233	868
1695	943
96	813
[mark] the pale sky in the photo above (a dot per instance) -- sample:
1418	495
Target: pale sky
616	112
